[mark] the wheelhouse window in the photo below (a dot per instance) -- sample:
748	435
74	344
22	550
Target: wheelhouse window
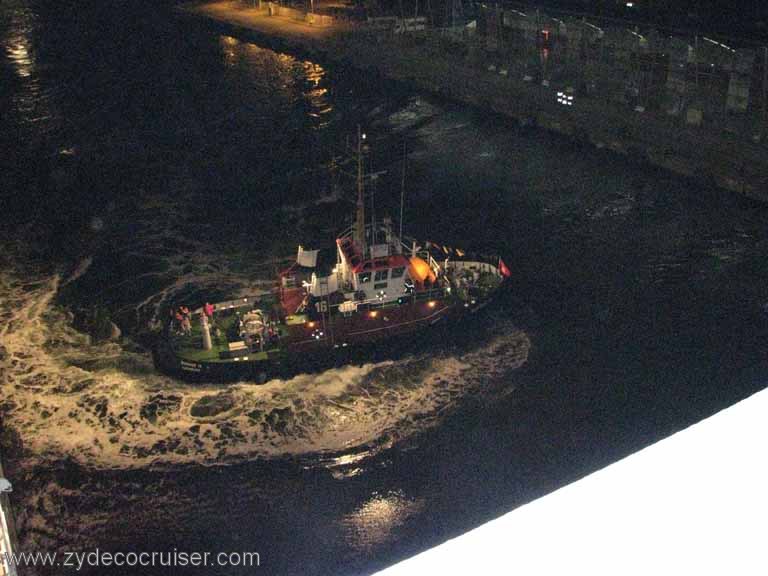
381	276
398	272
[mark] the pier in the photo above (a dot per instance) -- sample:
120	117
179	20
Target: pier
708	122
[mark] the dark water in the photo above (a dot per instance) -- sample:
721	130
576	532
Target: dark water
148	159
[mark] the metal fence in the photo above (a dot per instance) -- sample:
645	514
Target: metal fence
692	80
679	79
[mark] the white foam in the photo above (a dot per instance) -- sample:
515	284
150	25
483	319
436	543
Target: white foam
93	402
415	111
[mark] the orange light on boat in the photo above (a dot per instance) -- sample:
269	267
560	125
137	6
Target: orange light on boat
310	324
431	303
373	313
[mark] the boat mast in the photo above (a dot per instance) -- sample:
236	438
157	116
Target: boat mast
360	223
402	187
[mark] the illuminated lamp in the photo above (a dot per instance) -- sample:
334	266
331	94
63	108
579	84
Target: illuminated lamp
419	270
310	324
373	313
431	303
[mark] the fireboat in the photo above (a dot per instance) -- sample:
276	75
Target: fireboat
373	286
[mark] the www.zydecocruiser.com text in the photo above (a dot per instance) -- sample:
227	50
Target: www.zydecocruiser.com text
100	558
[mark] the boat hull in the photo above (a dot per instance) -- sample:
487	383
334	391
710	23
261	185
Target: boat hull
370	335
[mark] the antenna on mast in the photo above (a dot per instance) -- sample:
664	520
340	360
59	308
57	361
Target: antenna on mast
372	176
360	217
402	190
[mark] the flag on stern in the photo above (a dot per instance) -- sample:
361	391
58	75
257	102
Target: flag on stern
503	269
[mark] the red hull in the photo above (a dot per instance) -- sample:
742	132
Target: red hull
369	326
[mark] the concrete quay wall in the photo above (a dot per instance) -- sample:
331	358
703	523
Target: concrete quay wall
730	163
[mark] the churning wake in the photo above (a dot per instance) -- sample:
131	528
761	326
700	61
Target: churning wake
104	405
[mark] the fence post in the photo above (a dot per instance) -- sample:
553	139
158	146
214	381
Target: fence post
696	60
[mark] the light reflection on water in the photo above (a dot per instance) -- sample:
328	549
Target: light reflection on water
17	42
374	523
289	78
19	55
30	104
228	45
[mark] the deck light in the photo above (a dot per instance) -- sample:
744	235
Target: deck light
432	304
310	324
373	313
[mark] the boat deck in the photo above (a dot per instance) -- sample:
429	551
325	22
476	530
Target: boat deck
223	332
466	283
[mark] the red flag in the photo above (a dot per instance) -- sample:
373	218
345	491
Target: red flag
503	269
